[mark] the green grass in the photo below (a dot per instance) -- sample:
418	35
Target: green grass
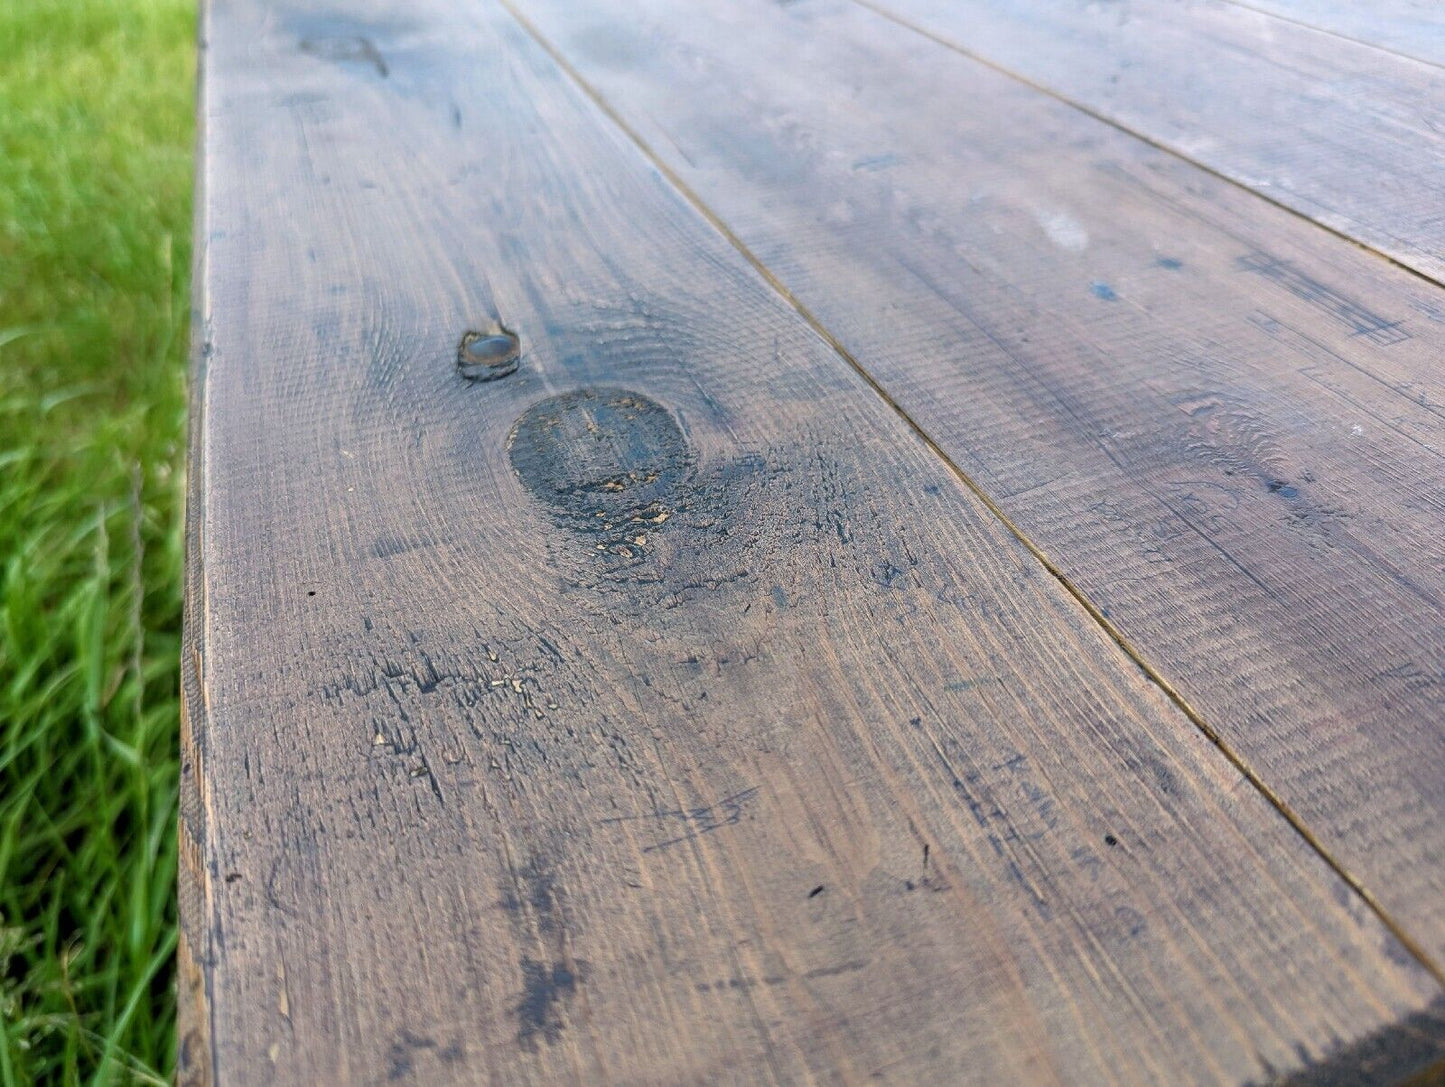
95	194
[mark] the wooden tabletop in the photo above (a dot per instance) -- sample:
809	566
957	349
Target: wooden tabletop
817	541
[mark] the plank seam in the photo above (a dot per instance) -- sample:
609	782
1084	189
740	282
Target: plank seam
1333	33
1104	118
1094	612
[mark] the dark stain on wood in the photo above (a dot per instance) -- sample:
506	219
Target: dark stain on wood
602	457
1411	1053
537	895
347	49
547	990
402	1056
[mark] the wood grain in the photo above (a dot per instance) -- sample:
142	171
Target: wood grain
793	765
1221	424
1414	28
1342	133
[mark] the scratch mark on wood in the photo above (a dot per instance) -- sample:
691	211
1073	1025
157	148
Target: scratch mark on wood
699	821
1351	314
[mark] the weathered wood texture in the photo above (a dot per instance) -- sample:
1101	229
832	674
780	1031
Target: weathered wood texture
1343	133
664	711
1221	423
1414	28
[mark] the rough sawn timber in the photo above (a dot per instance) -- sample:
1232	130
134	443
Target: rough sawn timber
1343	133
1414	28
1222	424
665	710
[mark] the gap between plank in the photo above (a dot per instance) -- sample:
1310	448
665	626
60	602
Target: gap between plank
1104	118
1116	635
1333	33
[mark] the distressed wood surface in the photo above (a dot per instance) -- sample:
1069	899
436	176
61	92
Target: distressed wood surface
1220	423
653	705
1345	134
1414	28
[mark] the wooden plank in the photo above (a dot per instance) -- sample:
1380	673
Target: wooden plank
1341	133
1413	28
1220	423
793	765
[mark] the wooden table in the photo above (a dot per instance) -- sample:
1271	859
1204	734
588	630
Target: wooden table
812	541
